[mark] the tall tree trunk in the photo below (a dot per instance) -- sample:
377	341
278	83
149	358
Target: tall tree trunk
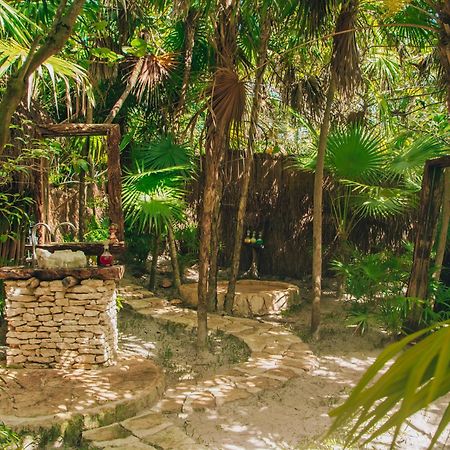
155	252
17	84
131	83
174	257
189	36
317	211
216	139
248	163
445	218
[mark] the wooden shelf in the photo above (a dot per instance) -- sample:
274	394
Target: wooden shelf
88	248
82	273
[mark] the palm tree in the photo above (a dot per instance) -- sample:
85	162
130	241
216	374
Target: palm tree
40	50
344	74
154	196
261	63
226	106
153	202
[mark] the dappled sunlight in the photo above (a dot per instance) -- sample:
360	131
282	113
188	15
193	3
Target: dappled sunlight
62	392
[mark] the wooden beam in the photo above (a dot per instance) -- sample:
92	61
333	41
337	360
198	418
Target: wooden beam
76	129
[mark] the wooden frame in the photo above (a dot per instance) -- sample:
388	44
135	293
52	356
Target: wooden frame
430	205
114	186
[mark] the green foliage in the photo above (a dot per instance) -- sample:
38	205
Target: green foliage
369	277
97	231
9	437
384	400
138	247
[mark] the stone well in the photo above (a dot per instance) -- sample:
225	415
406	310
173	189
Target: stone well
69	322
253	297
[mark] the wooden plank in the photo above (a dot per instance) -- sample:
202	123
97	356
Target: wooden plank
23	273
89	248
76	129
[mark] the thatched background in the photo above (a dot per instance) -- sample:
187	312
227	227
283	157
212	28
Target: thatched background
280	205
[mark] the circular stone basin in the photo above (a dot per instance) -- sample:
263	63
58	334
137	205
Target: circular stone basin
253	297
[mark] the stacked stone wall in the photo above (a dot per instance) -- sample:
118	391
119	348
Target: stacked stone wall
50	325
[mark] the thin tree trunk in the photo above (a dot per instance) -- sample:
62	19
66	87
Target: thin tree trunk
213	264
174	257
191	25
317	211
212	164
445	218
248	163
82	185
131	83
17	84
155	252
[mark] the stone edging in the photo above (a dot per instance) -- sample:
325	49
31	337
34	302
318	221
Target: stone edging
276	357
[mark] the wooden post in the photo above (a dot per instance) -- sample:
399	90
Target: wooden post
115	180
430	204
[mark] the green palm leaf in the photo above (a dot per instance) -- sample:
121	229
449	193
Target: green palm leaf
355	153
152	199
12	53
163	153
413	157
419	376
14	24
379	201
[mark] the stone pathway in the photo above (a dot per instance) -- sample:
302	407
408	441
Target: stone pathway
276	357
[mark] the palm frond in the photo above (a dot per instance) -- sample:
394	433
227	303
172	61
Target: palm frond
228	97
379	201
355	153
419	376
14	24
57	69
155	71
313	15
163	153
345	60
152	199
413	157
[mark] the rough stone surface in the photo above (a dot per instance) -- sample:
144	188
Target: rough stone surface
43	316
253	297
277	356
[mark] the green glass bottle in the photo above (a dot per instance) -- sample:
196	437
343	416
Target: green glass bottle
253	239
260	241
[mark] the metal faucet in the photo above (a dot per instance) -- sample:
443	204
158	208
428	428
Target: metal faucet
69	224
34	238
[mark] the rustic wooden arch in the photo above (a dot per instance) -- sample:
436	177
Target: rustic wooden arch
114	185
430	206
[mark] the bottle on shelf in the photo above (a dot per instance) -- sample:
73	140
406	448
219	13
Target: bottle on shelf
105	259
253	239
260	241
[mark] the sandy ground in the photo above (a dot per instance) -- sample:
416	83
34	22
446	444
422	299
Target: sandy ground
296	416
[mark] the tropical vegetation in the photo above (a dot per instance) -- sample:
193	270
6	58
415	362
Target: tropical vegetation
358	93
